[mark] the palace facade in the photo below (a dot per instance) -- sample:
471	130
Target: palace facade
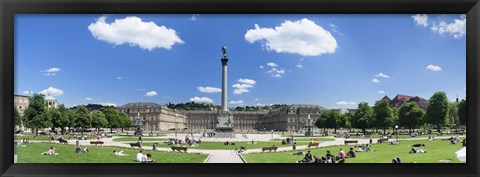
152	116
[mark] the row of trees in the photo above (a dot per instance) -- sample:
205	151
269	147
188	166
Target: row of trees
37	116
439	112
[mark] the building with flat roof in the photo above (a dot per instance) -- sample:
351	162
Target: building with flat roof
152	116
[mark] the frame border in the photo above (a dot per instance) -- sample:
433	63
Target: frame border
8	9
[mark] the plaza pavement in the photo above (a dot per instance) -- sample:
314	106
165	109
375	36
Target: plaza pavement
226	156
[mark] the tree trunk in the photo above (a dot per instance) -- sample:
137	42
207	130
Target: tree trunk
111	130
438	128
384	129
335	130
363	130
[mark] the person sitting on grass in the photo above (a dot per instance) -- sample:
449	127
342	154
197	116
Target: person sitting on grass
50	151
315	141
147	159
417	151
307	158
351	153
341	154
330	159
328	154
139	156
317	159
396	160
80	150
85	150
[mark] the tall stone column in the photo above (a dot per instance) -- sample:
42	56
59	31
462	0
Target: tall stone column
224	84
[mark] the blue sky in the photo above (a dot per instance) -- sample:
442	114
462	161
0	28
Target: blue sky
330	60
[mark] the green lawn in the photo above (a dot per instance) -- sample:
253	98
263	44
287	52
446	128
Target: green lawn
318	138
143	139
46	137
221	146
436	150
32	154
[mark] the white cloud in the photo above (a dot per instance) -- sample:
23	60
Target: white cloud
132	30
420	19
434	68
261	67
151	93
271	64
382	75
299	66
240	91
27	92
209	89
375	80
88	98
302	37
52	92
201	100
239	102
108	104
457	28
381	92
346	103
119	78
257	99
242	86
275	72
260	104
194	17
247	81
51	71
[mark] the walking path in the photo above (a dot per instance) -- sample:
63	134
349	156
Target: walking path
226	156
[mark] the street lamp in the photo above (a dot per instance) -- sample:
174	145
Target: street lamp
396	131
272	134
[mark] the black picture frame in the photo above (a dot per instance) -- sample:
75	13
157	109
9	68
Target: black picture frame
8	9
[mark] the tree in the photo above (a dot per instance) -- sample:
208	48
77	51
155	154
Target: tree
453	113
363	117
462	112
383	114
17	117
437	110
81	118
410	115
394	117
112	117
125	121
98	119
56	118
64	120
35	114
329	119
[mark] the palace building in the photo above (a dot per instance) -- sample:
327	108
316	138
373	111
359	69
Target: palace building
155	117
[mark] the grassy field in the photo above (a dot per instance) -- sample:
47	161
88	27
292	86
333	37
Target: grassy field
32	154
436	150
46	137
221	146
143	139
318	138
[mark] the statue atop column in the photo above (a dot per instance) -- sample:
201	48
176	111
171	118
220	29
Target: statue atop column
224	50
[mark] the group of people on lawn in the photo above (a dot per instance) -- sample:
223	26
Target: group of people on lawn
328	158
142	158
